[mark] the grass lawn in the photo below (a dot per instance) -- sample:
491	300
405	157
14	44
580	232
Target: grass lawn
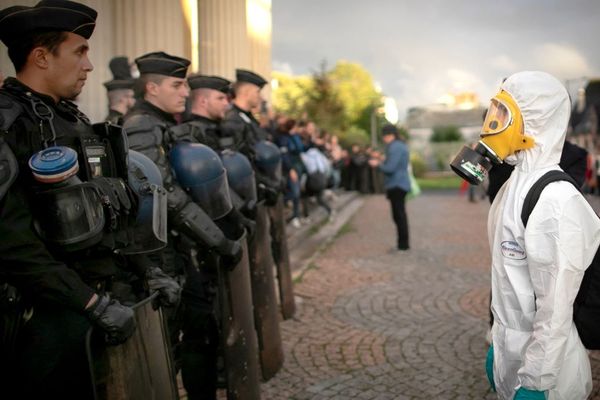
442	182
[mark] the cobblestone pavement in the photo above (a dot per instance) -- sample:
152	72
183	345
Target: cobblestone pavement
378	325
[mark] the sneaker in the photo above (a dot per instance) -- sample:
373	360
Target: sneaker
296	223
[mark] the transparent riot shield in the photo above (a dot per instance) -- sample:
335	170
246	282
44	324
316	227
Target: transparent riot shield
140	368
240	347
281	256
266	316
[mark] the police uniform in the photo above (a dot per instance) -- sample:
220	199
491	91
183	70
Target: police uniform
198	242
248	138
235	309
240	124
122	80
200	128
57	283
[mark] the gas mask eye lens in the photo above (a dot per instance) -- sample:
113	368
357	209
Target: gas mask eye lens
497	119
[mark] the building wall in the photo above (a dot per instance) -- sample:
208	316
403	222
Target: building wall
235	34
223	38
135	27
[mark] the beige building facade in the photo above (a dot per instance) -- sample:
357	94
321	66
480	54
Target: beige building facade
218	36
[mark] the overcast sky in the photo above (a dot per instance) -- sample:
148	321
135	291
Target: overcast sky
420	50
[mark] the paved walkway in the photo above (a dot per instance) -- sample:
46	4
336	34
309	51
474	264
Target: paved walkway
377	325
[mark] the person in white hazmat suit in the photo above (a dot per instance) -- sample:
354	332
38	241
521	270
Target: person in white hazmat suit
536	352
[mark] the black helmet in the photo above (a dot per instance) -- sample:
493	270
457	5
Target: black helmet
240	175
200	172
268	159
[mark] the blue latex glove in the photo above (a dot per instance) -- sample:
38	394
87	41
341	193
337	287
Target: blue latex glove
526	394
489	367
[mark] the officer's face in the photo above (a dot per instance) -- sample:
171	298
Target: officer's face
253	93
217	105
171	93
67	69
129	99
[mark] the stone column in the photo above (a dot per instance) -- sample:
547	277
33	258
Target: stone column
224	43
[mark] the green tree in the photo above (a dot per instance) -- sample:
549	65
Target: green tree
446	134
354	135
357	92
291	95
340	100
323	105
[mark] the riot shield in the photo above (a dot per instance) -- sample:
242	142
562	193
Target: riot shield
266	317
140	368
281	256
240	347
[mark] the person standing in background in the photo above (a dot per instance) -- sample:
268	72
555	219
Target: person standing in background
396	181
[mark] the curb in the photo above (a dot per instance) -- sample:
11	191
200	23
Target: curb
305	247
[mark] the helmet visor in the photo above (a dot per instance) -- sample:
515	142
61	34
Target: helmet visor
497	119
149	232
213	196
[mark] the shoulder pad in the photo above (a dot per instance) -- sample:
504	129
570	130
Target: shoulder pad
140	123
182	132
231	115
9	111
234	123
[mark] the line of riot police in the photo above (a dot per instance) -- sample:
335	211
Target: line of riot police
131	253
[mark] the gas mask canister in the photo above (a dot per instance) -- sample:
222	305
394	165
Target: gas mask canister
502	135
68	213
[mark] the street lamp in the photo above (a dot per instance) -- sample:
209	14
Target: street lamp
389	110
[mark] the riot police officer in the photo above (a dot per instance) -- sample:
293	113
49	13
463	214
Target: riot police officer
119	90
209	103
68	179
249	137
239	122
240	125
208	106
197	242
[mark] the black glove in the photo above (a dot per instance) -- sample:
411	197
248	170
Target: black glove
169	290
117	198
269	194
116	320
231	252
250	227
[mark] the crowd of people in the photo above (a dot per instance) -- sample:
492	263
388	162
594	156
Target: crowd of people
316	165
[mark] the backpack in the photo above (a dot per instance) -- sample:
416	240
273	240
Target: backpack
586	308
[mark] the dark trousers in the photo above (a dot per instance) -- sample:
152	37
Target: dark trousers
396	197
196	319
51	361
320	201
200	343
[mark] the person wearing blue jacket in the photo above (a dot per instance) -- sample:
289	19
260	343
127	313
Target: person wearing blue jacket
396	180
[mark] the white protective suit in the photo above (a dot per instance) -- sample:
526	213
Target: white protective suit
536	272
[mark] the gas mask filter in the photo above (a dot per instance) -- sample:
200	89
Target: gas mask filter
68	213
502	135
